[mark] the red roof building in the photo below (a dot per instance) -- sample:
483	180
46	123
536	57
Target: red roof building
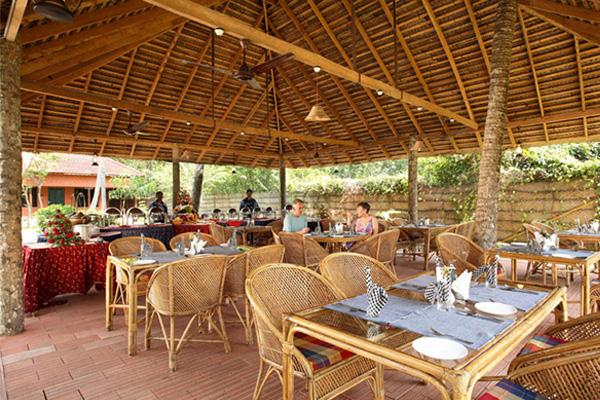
72	178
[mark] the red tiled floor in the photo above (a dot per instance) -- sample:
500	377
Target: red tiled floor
66	353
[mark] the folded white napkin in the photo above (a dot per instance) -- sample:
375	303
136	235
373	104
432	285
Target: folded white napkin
461	285
595	226
196	246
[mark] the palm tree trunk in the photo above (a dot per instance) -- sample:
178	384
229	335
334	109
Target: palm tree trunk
197	188
413	189
495	125
11	274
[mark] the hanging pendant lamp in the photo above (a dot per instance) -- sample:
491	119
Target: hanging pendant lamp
56	10
317	112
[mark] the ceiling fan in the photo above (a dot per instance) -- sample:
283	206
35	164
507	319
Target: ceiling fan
135	129
246	73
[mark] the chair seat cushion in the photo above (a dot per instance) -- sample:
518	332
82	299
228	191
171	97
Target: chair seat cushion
318	353
540	342
508	390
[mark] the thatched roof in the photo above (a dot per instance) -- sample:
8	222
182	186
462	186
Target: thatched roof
127	54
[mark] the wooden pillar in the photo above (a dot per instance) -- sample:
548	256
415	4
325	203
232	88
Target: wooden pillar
486	209
11	274
176	182
413	185
282	183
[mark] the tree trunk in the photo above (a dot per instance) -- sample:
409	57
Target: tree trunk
413	185
176	182
197	188
486	211
28	200
39	195
282	184
11	274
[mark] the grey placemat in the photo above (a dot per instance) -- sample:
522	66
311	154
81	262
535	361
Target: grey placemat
421	318
164	257
579	254
523	299
578	233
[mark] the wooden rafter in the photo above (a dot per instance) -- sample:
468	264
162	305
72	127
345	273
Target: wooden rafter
582	30
564	10
86	86
77	95
453	66
13	22
40	121
235	27
581	83
533	71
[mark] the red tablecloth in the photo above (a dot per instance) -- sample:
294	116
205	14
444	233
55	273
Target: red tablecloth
50	271
182	228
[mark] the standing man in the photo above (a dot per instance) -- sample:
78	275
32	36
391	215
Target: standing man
249	202
295	221
159	203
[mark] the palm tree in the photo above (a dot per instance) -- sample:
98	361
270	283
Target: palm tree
495	125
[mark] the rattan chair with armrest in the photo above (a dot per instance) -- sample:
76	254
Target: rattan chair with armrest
302	250
191	288
346	272
278	289
238	268
187	238
123	247
382	247
460	251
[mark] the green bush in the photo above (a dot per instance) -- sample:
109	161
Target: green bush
44	214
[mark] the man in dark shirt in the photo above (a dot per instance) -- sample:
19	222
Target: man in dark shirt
249	202
159	203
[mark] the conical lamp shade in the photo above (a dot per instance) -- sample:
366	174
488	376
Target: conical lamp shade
317	114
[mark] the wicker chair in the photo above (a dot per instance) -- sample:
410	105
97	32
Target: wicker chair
187	238
127	246
278	289
382	226
466	229
382	247
191	288
219	233
238	268
345	271
302	250
535	267
276	226
460	251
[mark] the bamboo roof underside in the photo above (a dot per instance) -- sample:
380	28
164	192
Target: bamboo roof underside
127	55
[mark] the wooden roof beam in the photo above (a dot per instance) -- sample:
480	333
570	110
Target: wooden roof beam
533	72
562	9
86	86
41	88
13	22
237	28
129	141
581	83
43	31
582	30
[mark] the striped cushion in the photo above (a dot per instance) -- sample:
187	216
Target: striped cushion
540	342
508	390
318	353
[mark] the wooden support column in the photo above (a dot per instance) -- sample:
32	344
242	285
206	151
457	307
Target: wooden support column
282	183
11	274
486	210
413	185
176	182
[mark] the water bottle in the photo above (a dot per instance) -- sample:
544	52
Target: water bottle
233	240
181	247
142	246
318	228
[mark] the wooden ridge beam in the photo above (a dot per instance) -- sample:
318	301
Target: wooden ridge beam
98	137
562	9
41	88
40	32
582	30
237	28
13	22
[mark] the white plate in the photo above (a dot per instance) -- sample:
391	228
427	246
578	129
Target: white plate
493	308
518	244
440	348
144	262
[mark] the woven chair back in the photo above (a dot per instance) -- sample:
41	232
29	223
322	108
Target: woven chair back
187	238
543	227
530	231
276	226
219	233
294	247
465	229
187	286
387	246
346	272
460	251
130	246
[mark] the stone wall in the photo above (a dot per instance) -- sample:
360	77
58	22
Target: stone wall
518	204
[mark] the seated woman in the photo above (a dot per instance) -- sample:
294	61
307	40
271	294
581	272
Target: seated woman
295	221
363	222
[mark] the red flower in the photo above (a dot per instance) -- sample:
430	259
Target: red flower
70	235
50	240
55	231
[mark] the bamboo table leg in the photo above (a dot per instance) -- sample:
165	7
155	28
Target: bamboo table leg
513	267
108	295
585	289
426	247
131	315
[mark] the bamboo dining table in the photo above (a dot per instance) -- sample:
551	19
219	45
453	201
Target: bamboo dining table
581	237
392	347
335	242
427	232
133	272
583	261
